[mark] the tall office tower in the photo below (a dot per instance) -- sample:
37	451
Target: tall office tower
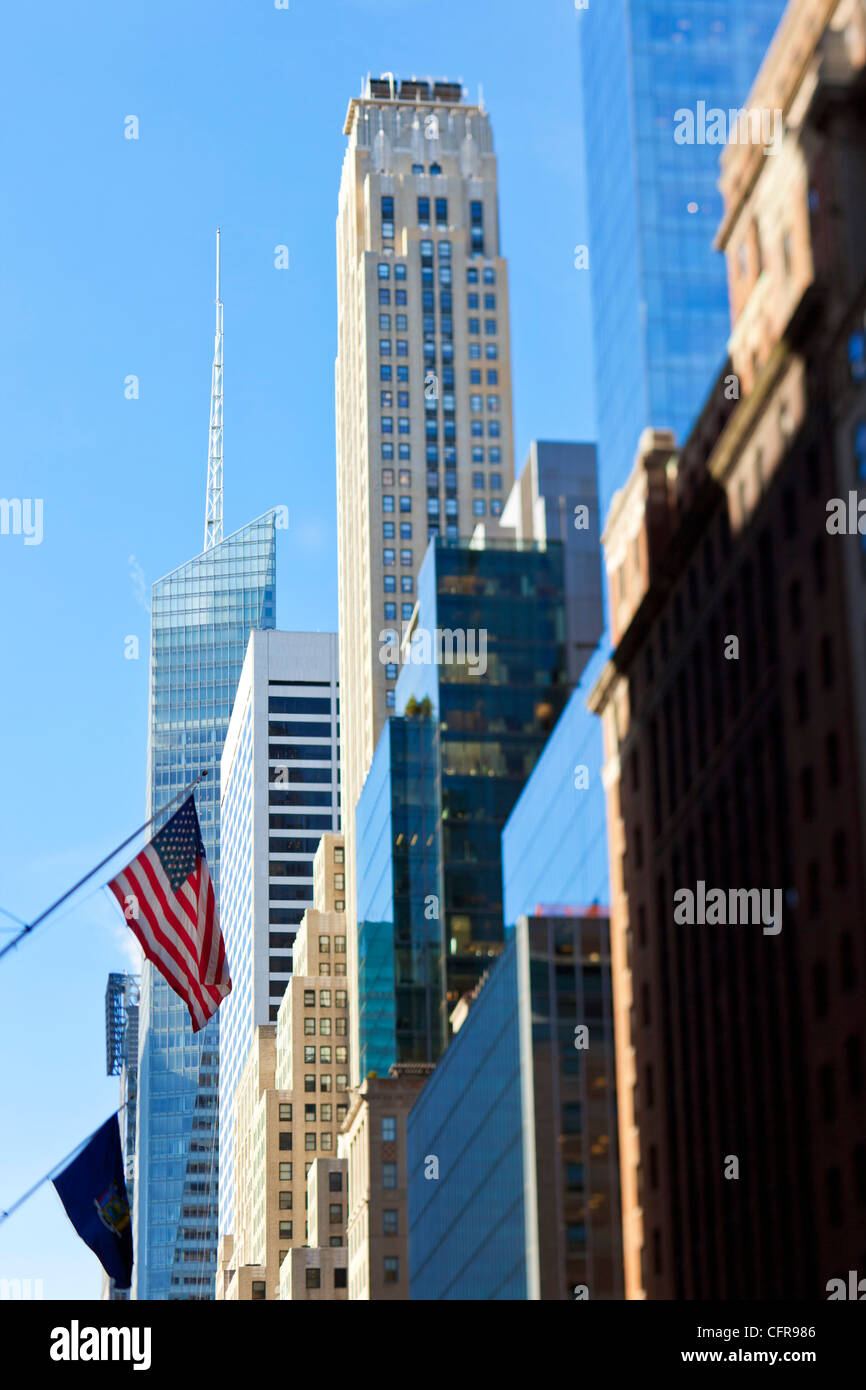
660	319
423	375
482	684
289	1104
555	498
121	1059
202	617
733	714
280	793
511	1146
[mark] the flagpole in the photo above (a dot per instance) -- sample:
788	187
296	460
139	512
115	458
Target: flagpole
61	1164
10	945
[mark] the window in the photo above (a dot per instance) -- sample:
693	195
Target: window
387	424
325	1082
388	556
286	1139
489	275
494	454
339	947
335	1182
406	583
406	611
309	1054
341	1084
391	1266
474	350
285	1230
490	326
384	296
390	611
389	1175
496	506
384	270
402	347
493	403
310	1141
405	504
388	478
388	219
325	1054
389	584
385	371
491	352
286	1201
327	1140
472	275
387	503
479	506
285	1172
495	482
389	1222
400	274
471	301
389	1128
405	477
384	347
424	218
309	1026
400	298
478	481
387	530
406	557
475	403
335	1212
490	301
285	1110
325	1027
405	530
442	221
258	1291
309	998
473	326
385	323
314	1278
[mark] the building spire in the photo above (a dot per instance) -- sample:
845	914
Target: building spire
213	521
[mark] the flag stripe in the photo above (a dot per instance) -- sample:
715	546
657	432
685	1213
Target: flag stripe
176	920
160	949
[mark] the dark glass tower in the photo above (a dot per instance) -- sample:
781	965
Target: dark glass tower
202	617
445	778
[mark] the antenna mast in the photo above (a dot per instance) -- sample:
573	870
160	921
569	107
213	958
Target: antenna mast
213	521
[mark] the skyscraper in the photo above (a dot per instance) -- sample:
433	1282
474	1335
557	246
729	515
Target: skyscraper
733	714
423	376
659	290
121	1060
483	680
280	793
202	617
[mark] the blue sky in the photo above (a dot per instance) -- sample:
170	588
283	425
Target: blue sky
106	270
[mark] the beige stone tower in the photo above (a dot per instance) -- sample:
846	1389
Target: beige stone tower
423	381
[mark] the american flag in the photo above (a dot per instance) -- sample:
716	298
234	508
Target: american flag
168	900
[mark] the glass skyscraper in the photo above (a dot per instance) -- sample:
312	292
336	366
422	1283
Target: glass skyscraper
483	681
401	989
659	290
202	617
522	1122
